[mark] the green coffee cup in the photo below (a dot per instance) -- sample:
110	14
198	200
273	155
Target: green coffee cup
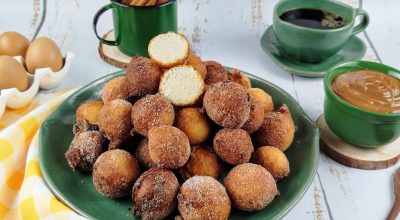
134	26
355	125
315	45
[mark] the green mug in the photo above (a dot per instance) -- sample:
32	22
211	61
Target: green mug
314	45
135	26
355	125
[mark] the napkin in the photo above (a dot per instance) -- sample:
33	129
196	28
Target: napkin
23	192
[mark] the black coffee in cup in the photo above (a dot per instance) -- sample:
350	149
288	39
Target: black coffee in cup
313	18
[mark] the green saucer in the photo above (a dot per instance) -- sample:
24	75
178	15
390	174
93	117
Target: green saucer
353	50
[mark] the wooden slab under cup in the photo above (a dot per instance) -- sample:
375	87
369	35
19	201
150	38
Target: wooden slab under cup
349	155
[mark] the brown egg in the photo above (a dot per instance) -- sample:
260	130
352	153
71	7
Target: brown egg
13	44
12	74
43	52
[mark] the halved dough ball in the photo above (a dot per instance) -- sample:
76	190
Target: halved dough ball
183	85
154	194
263	98
143	76
202	162
227	104
194	124
85	148
195	61
151	111
272	159
215	73
142	154
233	146
115	172
169	49
168	146
89	111
114	121
203	197
256	116
239	77
277	129
250	187
116	88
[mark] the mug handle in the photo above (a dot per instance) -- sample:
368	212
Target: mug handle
96	19
364	21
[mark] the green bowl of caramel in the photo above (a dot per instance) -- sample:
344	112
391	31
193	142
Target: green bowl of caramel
362	103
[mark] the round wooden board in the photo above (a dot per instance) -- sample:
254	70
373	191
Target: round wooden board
111	54
352	156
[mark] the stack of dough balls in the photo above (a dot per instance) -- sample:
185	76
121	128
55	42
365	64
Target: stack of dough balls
194	121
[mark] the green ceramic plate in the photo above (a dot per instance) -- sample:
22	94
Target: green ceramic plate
353	50
76	190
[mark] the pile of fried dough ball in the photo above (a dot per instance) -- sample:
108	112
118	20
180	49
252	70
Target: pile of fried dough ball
166	131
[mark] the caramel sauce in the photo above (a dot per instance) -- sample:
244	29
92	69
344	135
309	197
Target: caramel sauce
370	90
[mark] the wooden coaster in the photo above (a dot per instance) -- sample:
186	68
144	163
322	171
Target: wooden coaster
352	156
111	54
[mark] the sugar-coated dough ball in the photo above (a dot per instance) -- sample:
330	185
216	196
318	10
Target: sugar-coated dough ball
154	194
227	104
151	111
239	77
168	146
272	159
143	76
195	61
263	97
277	129
215	73
116	88
89	111
203	197
115	172
202	162
233	146
87	116
85	148
142	154
256	116
114	121
194	124
250	187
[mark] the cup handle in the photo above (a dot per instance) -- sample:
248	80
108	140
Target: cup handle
96	19
364	21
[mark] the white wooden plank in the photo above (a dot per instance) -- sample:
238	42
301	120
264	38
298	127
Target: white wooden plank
22	16
229	32
357	194
312	205
384	29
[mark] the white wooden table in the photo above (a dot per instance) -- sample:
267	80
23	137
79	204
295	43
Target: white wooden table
228	31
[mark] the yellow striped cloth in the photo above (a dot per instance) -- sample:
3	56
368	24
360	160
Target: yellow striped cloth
23	192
